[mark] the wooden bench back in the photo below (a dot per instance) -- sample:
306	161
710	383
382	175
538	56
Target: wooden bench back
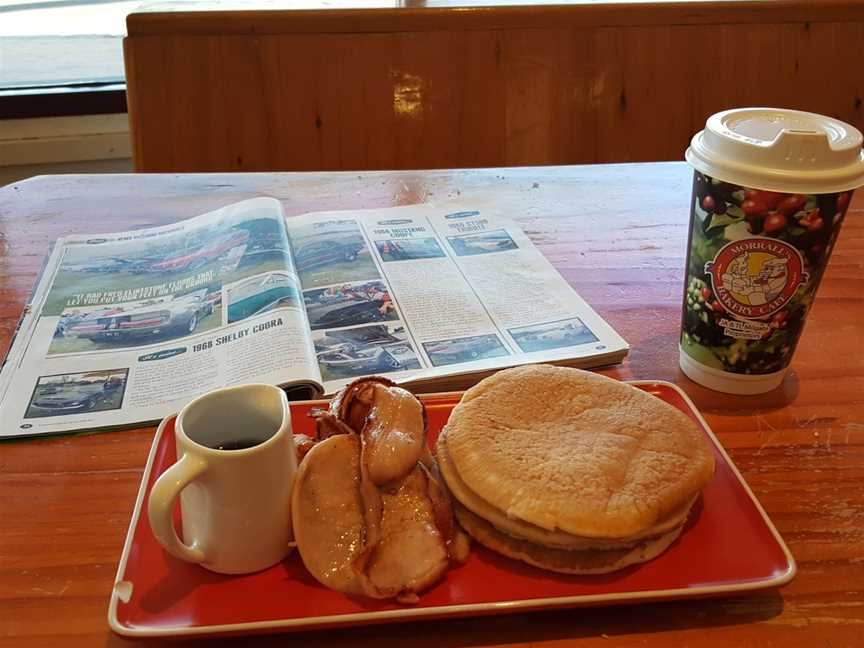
232	89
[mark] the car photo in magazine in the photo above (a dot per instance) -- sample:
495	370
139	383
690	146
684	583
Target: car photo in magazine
126	328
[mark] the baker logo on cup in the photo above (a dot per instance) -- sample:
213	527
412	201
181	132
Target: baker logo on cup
754	278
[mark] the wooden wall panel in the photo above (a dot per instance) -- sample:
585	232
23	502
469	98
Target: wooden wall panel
471	97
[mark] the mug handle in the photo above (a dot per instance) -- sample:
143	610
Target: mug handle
160	507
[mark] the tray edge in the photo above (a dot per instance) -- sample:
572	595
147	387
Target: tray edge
113	622
792	565
445	611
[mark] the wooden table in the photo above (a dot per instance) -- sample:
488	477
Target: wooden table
618	234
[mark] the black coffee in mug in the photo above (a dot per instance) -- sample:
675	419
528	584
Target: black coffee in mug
238	444
226	424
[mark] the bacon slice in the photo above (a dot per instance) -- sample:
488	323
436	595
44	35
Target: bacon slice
327	425
353	402
394	434
370	511
410	554
327	514
302	445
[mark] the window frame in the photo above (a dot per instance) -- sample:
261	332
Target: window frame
86	98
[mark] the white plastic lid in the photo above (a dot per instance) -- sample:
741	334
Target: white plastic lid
779	150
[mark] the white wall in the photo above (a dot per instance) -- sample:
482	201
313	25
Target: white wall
50	145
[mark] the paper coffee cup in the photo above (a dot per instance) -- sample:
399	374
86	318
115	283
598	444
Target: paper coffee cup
770	191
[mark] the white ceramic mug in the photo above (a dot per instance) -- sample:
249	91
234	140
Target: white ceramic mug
234	503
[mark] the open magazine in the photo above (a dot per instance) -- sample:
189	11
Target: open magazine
126	328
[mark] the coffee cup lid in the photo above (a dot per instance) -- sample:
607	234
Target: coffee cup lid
779	150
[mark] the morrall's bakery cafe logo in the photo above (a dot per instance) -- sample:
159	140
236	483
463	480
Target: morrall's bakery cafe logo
755	277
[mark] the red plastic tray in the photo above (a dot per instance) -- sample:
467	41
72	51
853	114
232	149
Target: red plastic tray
729	546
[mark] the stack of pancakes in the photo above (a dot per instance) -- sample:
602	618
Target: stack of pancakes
571	471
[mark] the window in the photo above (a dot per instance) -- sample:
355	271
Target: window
62	57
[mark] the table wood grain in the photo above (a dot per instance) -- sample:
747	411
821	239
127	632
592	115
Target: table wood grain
618	234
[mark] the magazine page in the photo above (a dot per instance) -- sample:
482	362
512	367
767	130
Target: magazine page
427	291
128	327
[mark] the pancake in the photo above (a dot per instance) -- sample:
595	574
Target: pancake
531	532
591	561
571	451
